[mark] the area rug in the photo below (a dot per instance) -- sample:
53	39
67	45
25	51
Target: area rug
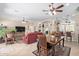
62	51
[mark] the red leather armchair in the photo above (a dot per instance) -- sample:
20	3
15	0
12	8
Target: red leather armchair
31	37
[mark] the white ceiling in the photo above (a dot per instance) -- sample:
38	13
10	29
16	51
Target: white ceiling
33	11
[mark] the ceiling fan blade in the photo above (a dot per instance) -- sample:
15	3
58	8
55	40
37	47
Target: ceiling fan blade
60	6
45	10
59	10
51	4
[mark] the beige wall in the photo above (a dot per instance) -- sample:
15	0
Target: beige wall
11	22
76	28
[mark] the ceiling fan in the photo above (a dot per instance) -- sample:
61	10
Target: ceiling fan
53	10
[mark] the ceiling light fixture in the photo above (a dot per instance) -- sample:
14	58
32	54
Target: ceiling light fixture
23	21
54	12
50	13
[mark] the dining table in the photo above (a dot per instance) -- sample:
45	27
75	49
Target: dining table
58	41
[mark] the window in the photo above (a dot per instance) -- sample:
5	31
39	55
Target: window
67	27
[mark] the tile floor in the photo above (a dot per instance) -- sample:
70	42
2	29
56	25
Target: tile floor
21	49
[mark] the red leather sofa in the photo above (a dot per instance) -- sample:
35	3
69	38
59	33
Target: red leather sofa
31	37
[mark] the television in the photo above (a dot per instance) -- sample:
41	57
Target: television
20	29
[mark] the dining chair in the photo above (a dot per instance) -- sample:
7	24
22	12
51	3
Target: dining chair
69	36
10	38
44	48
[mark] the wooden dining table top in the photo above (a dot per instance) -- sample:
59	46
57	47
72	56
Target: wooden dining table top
49	40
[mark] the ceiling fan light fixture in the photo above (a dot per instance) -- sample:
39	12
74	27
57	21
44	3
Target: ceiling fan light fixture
54	12
50	8
50	13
